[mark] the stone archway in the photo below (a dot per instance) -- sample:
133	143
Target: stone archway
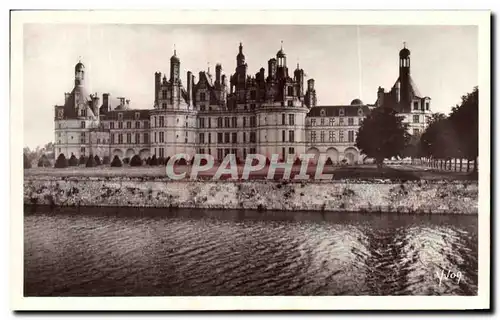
144	153
314	151
118	152
352	155
333	154
130	153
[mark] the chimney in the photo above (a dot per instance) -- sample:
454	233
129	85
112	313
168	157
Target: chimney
218	69
380	96
272	68
66	96
189	87
157	85
106	102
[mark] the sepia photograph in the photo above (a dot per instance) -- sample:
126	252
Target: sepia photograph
335	156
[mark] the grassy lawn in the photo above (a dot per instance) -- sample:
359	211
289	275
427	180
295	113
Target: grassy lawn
362	172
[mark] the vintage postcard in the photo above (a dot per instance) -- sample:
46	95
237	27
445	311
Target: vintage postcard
258	160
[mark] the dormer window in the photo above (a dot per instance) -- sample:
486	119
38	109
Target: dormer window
137	115
120	116
341	112
322	112
360	112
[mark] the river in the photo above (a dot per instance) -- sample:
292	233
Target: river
162	252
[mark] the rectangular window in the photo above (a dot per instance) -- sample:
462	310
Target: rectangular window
341	121
137	138
120	138
120	125
202	96
244	122
162	121
350	136
202	122
283	154
186	140
111	125
416	118
322	136
120	116
219	137
162	152
291	136
164	105
415	105
235	137
283	136
252	106
313	136
291	150
112	138
146	138
226	137
253	137
202	137
156	140
341	136
82	138
219	122
322	121
426	105
350	121
331	136
253	121
209	122
137	115
332	122
129	125
234	122
82	149
291	119
137	124
244	137
129	138
202	107
226	152
283	119
82	125
146	124
313	122
244	151
164	94
156	122
226	122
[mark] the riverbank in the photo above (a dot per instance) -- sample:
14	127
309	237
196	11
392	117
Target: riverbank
422	196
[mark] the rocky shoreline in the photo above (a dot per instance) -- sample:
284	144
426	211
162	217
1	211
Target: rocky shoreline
420	197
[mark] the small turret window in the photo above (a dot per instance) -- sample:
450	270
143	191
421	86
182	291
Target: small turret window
322	112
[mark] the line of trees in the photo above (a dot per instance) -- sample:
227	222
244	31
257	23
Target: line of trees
383	134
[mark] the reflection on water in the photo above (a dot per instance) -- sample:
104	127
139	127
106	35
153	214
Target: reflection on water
116	251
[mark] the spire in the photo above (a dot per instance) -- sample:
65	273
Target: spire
241	47
281	44
404	44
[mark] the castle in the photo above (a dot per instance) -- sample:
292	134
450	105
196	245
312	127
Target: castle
273	113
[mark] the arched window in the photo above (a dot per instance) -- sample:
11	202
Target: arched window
322	112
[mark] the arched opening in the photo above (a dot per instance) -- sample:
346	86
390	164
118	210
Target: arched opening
144	153
130	153
352	155
118	152
333	154
315	152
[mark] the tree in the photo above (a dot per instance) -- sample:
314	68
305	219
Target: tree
382	134
126	160
27	162
73	161
116	162
136	161
97	160
90	162
154	161
61	161
44	161
83	159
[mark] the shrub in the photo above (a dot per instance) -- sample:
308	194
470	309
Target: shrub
91	162
83	159
161	161
97	160
136	161
167	159
44	161
61	162
148	160
153	161
116	162
181	162
126	160
27	162
329	162
73	161
105	160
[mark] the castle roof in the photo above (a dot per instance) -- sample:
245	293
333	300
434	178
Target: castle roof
334	111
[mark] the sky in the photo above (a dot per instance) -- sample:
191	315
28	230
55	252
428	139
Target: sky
347	62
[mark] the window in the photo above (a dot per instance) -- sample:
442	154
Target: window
253	121
60	126
162	121
291	150
83	113
162	137
416	118
202	107
331	136
416	132
112	138
82	125
332	122
234	122
202	96
202	137
137	125
244	122
137	138
341	121
129	138
415	105
235	137
219	137
137	115
201	122
341	112
59	150
350	136
155	137
209	138
120	116
244	137
291	119
290	91
283	119
226	137
313	122
322	112
283	136
313	136
226	152
209	122
82	149
164	94
291	136
129	125
253	137
120	125
341	136
146	138
164	105
226	122
162	152
120	138
427	105
322	121
360	112
244	151
290	103
322	136
350	121
82	138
